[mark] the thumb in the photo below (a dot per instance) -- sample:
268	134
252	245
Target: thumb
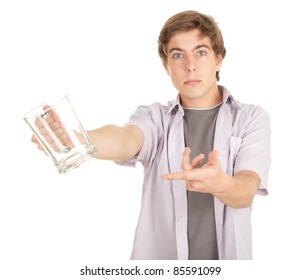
213	157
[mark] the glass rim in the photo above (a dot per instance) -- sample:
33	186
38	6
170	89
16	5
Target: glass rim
38	110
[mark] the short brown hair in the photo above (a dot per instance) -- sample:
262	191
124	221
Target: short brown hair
188	21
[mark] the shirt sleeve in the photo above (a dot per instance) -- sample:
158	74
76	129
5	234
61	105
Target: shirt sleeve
254	151
143	118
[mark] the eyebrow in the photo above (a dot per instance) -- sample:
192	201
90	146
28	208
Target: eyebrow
195	48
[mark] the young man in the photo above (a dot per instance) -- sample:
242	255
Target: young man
196	204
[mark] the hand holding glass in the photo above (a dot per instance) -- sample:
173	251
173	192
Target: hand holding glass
60	134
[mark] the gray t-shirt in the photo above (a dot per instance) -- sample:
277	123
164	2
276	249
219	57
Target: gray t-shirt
199	128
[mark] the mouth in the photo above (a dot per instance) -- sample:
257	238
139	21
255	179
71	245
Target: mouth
192	82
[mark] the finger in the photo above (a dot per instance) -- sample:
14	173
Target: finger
52	129
173	176
213	157
190	186
54	126
186	159
50	120
46	107
34	139
40	122
197	161
58	127
184	175
40	147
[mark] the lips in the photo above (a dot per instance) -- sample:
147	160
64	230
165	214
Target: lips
192	82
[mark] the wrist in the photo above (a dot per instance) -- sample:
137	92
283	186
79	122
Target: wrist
226	187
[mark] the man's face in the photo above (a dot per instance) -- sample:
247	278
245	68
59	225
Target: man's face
192	66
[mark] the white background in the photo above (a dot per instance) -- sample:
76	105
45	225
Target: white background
104	56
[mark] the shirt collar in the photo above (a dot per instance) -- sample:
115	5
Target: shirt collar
227	98
174	105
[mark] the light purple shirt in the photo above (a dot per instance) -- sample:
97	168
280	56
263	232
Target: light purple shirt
242	137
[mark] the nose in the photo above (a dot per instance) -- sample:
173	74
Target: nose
190	65
191	69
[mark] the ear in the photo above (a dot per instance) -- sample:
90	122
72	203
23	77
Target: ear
219	61
165	65
166	69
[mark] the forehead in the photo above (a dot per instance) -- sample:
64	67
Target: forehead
187	40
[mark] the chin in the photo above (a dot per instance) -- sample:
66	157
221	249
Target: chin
192	95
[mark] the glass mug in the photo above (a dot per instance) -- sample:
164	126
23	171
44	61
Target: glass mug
60	133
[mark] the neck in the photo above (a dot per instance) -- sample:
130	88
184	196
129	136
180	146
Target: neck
206	100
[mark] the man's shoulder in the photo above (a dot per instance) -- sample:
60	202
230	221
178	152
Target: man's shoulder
231	99
153	108
242	108
252	109
250	114
157	108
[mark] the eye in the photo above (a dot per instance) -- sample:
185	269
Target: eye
177	55
201	53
